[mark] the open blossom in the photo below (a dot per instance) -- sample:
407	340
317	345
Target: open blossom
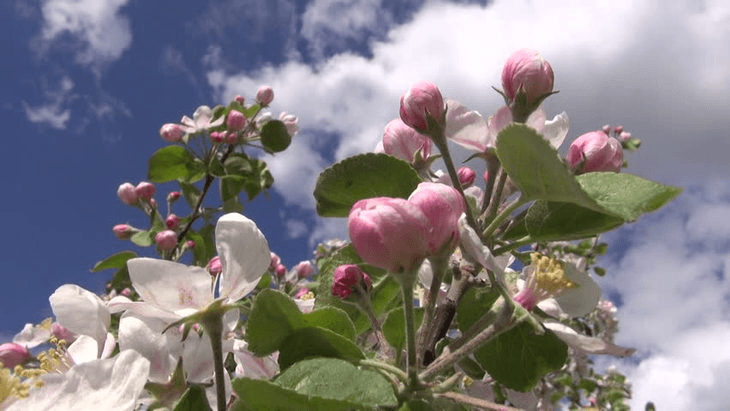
202	121
404	142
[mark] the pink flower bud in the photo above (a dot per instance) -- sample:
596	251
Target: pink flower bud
166	240
624	136
300	292
12	354
442	205
527	72
172	221
127	194
304	269
173	196
486	176
235	121
390	233
402	141
231	137
145	190
171	132
275	261
62	333
606	129
466	176
264	95
190	244
346	279
595	151
618	129
239	99
217	136
291	122
280	270
214	266
126	292
124	231
421	102
153	203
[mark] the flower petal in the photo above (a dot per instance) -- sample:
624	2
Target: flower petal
556	129
244	253
465	127
145	336
169	285
579	301
81	312
590	345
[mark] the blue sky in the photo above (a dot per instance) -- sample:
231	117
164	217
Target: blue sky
87	84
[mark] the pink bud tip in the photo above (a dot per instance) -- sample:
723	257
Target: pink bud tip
12	354
280	270
346	278
171	132
618	129
264	95
172	221
235	121
466	176
126	292
190	244
215	266
527	72
442	205
275	261
595	151
217	136
300	292
404	142
145	190
166	240
173	196
606	129
128	194
123	231
486	176
304	269
239	99
231	137
421	102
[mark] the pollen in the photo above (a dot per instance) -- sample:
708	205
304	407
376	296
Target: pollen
550	274
307	296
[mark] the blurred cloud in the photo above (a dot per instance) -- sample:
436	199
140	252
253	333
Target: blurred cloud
55	112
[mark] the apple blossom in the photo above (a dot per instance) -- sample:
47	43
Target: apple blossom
166	240
202	121
466	176
390	233
304	269
350	278
214	266
171	132
291	122
124	231
127	194
421	106
172	221
12	354
173	196
145	190
595	151
527	72
404	142
82	312
442	205
235	121
217	136
264	95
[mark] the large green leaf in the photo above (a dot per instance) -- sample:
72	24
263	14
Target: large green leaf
552	221
261	395
273	318
316	342
274	136
362	176
534	165
118	260
336	379
473	305
518	358
394	327
173	163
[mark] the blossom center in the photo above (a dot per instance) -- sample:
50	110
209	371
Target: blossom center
549	274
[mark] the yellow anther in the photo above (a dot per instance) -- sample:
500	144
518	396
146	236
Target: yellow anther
550	274
307	296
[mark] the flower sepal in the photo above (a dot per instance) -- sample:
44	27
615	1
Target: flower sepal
211	313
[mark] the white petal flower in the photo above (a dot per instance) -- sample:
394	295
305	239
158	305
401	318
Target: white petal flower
201	121
81	312
590	345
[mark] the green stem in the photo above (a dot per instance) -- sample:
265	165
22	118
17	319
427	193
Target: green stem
386	367
477	402
213	325
501	217
407	291
438	266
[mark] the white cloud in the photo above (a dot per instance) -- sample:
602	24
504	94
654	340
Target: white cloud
674	282
97	25
55	112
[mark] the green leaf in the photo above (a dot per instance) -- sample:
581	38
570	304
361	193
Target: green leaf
316	342
534	165
172	163
143	238
553	221
626	195
518	358
394	327
204	244
121	279
362	176
262	395
251	110
118	260
194	399
273	318
473	305
274	136
191	193
331	318
336	379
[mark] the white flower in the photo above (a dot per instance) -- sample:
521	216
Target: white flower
201	121
84	313
469	129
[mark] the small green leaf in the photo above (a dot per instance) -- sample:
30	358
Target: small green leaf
394	327
336	379
251	110
191	193
331	318
262	395
274	136
518	358
118	260
144	238
194	399
316	342
362	176
273	318
172	163
473	305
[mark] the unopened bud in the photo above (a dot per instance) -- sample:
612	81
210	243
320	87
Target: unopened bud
166	240
442	205
527	72
173	196
172	221
595	151
145	190
171	132
235	121
466	176
606	129
124	231
421	102
618	129
190	244
127	292
239	99
264	95
280	270
275	261
215	266
304	269
12	354
217	136
349	278
231	137
291	122
128	194
624	136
